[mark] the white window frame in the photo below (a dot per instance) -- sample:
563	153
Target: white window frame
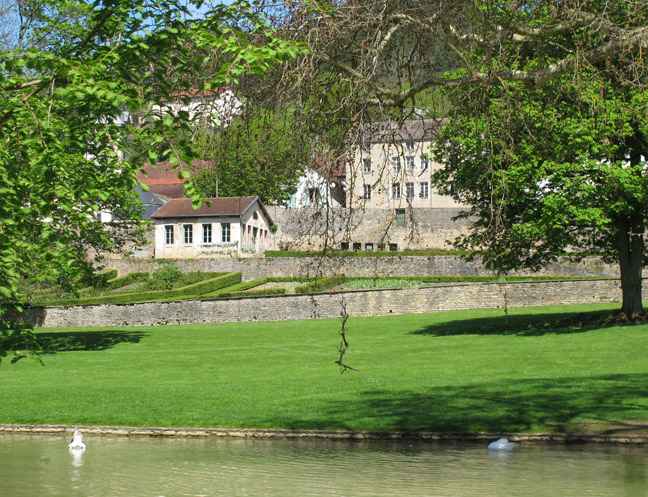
409	190
409	162
366	166
226	232
187	234
425	162
409	145
424	191
395	163
366	192
169	234
207	233
396	191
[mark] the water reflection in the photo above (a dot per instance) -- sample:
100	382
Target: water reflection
116	467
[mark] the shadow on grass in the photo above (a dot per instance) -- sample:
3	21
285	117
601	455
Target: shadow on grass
73	341
515	405
522	325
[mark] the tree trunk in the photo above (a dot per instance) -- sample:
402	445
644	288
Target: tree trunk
630	243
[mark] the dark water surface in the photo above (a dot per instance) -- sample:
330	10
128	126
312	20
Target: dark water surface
38	465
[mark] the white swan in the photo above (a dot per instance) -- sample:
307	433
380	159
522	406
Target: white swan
501	444
77	441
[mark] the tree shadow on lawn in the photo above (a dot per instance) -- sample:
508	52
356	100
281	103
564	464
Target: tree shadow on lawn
73	341
522	325
568	404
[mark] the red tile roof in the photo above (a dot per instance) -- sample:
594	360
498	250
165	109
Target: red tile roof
221	206
162	179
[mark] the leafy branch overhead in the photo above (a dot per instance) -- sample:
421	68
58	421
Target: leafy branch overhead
82	109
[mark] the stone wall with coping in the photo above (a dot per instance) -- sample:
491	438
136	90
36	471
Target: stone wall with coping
412	300
446	265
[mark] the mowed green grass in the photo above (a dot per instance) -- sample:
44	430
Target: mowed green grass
449	371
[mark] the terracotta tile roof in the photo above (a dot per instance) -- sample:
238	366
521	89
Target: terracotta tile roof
328	167
162	179
221	206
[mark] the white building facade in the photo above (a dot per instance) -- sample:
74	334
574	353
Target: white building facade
230	226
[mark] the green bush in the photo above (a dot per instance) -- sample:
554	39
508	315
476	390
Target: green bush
321	284
253	293
195	290
127	280
101	279
164	277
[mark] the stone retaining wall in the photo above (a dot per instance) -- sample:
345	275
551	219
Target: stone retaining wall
412	300
446	265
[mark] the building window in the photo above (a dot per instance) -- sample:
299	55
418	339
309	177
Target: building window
393	247
425	192
409	145
188	233
400	217
168	235
396	193
344	245
366	192
357	246
225	232
395	163
409	190
369	247
424	162
366	165
409	162
207	233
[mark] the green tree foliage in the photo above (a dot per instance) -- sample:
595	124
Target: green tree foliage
258	154
559	164
546	135
66	107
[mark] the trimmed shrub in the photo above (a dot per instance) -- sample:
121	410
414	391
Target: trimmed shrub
127	280
253	293
195	290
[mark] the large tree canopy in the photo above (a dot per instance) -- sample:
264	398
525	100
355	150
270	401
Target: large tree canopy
69	148
545	105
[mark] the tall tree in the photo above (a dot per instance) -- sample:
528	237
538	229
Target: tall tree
66	102
256	155
546	137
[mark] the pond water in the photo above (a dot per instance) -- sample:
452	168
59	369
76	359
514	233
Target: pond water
140	467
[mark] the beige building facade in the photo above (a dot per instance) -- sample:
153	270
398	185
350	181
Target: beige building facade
229	226
392	168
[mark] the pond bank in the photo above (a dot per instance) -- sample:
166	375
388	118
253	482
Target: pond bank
633	438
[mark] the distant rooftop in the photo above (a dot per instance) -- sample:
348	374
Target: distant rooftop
394	131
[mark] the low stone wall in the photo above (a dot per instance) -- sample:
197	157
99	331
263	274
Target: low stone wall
412	300
445	265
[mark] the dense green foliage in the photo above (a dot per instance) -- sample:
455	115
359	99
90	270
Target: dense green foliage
82	108
448	371
256	155
189	291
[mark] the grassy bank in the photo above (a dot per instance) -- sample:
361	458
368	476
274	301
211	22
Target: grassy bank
451	371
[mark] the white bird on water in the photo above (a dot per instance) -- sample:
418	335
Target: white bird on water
77	441
501	444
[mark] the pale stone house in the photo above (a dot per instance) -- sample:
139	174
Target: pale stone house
235	226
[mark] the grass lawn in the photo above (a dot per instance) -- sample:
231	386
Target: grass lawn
448	371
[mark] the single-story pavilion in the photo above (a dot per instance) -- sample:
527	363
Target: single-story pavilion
234	226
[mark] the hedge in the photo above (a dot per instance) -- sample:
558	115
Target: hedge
242	287
195	290
126	280
253	293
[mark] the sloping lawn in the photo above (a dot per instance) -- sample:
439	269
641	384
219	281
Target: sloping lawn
450	371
